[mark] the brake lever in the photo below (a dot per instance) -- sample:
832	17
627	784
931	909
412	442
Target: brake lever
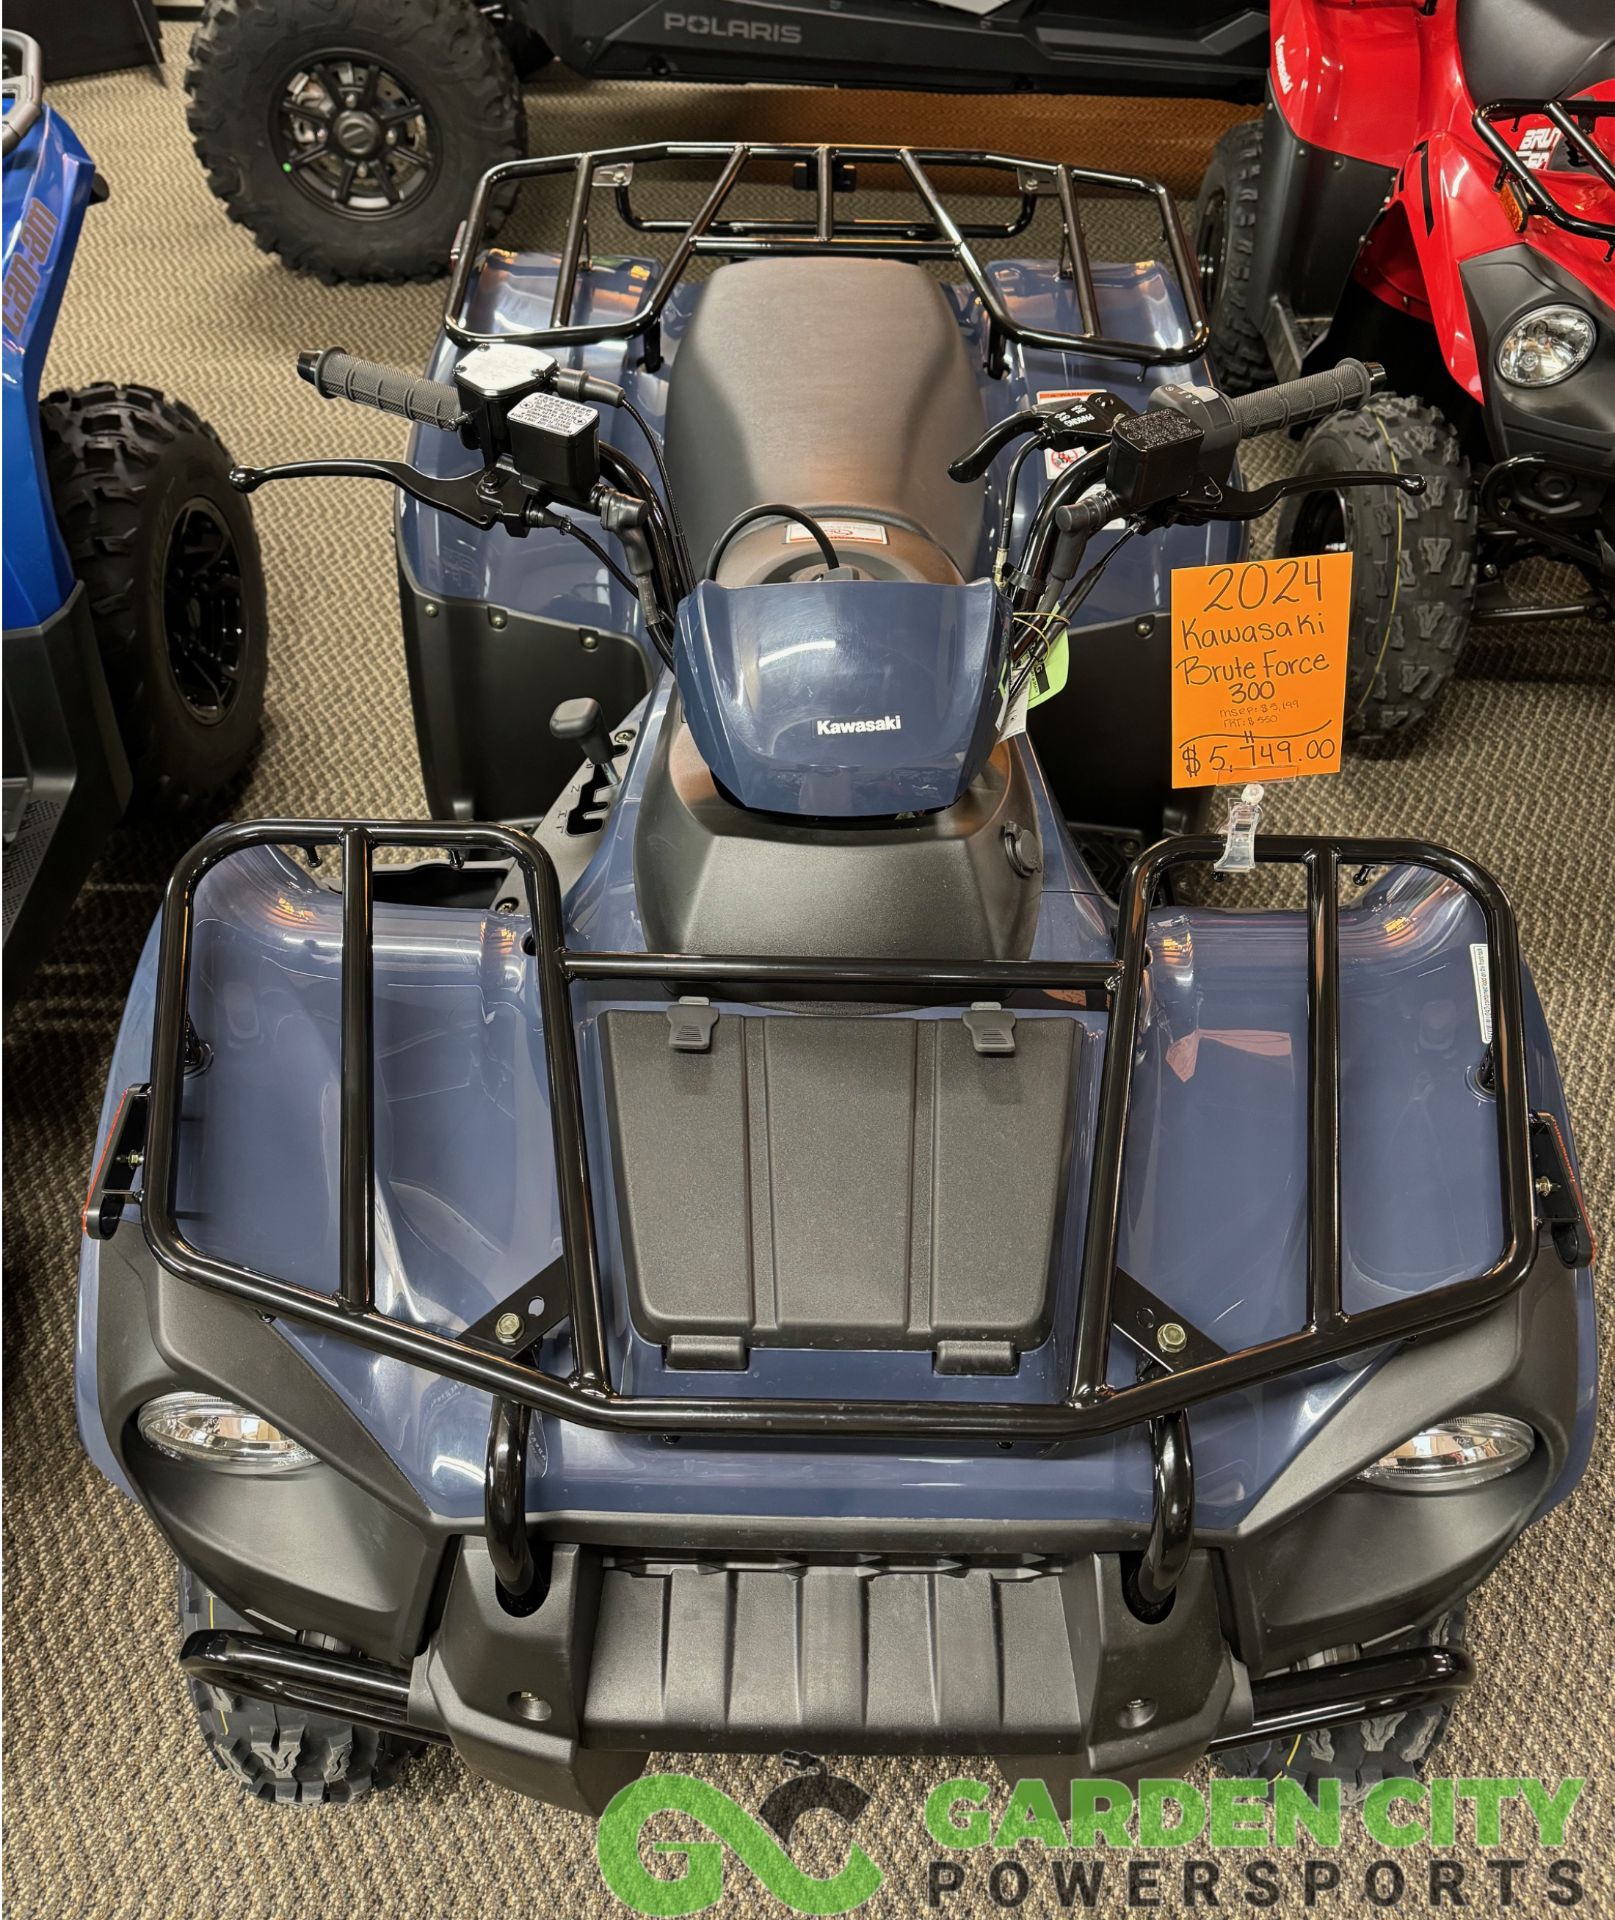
493	497
1214	501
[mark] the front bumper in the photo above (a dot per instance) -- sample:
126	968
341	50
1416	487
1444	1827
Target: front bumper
849	1638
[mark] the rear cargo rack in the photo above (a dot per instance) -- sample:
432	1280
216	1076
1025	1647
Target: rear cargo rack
491	1356
1577	123
829	173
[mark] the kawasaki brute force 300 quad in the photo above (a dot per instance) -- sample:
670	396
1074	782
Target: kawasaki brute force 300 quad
761	1251
1433	187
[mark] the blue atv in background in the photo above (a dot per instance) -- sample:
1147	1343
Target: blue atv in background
136	634
737	1240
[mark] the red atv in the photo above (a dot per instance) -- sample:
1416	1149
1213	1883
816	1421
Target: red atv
1432	186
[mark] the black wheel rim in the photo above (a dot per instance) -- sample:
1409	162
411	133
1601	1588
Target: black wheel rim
1209	240
204	612
353	136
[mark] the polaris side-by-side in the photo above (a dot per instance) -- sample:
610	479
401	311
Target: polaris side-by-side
1433	187
762	1251
135	623
347	135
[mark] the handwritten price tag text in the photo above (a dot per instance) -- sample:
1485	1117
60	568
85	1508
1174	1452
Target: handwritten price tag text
1259	669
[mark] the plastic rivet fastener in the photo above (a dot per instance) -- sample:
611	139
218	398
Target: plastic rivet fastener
1170	1336
507	1328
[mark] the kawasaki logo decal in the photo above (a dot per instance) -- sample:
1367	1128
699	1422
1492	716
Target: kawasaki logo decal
701	1884
888	723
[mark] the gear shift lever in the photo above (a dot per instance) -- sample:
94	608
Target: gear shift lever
581	720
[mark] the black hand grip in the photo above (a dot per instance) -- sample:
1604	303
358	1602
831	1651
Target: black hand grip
972	465
339	376
1312	397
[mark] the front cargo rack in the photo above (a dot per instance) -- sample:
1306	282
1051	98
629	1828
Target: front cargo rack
1109	1299
830	174
1577	123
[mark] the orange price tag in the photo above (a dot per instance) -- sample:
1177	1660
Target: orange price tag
1259	669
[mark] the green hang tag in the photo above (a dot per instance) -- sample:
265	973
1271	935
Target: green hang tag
1049	676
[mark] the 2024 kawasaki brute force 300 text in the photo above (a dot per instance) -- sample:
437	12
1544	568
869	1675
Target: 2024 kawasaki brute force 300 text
737	1259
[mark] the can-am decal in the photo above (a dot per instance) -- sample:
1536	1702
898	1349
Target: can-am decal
31	250
710	26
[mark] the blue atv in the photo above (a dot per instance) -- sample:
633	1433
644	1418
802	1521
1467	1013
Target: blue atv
729	1237
135	624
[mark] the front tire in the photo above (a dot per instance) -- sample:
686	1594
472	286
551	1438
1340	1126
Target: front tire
1224	230
1359	1754
169	558
1413	557
349	135
278	1753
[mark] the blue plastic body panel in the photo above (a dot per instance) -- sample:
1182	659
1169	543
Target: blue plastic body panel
47	182
842	699
467	1207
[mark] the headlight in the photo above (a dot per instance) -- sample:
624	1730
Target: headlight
218	1433
1462	1452
1545	347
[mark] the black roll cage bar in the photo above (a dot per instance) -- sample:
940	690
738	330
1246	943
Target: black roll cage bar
828	171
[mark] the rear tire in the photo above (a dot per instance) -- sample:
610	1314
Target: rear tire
301	113
169	558
1413	566
1362	1753
276	1753
1224	240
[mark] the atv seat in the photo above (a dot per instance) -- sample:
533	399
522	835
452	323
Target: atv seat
843	387
1534	49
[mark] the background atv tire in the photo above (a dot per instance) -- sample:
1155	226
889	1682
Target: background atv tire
1224	235
274	1752
1362	1753
169	559
348	135
1413	565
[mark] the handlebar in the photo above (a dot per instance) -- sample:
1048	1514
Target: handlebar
339	376
1314	396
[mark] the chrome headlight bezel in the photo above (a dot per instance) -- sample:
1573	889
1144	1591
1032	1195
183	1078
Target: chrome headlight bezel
211	1430
1561	314
1450	1456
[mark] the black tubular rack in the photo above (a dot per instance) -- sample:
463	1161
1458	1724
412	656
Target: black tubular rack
1090	1405
1578	123
829	172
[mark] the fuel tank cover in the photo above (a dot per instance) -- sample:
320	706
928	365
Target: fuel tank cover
842	698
